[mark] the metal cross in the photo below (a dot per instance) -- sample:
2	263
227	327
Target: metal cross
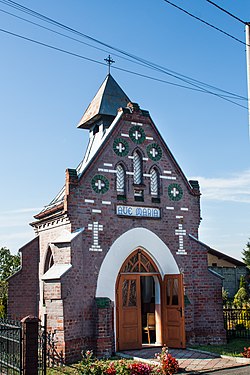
109	61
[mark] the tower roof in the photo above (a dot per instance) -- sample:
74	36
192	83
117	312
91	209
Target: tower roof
106	102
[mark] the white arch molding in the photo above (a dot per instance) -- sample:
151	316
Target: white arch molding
122	248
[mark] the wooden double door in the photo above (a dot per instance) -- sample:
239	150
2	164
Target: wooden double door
169	308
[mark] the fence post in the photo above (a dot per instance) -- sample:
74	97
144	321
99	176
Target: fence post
30	345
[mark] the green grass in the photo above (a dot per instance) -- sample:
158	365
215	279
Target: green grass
233	348
70	370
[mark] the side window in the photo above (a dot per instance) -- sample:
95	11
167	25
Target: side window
137	168
137	164
155	185
120	180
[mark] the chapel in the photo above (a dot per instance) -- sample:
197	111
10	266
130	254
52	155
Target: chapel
116	262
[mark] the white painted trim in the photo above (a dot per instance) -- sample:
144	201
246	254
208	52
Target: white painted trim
89	201
168	177
122	248
137	123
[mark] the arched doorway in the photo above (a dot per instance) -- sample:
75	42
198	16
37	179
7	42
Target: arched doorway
137	299
142	294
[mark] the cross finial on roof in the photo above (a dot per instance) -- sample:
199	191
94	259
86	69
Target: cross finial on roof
109	61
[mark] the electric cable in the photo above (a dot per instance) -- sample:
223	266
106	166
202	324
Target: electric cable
226	11
206	23
143	62
115	67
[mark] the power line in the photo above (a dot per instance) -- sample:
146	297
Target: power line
206	23
164	70
226	11
115	67
138	60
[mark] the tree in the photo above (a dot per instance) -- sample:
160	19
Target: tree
241	298
9	264
246	255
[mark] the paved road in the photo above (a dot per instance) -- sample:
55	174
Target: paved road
245	370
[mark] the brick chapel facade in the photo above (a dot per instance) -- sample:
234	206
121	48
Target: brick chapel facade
119	244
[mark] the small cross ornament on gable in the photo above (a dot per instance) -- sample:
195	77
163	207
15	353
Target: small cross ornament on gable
120	147
137	135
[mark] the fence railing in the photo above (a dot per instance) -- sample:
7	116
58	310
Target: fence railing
10	347
237	323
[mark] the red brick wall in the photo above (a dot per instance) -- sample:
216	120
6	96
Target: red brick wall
23	286
73	311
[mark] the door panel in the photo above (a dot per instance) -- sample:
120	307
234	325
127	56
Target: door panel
129	312
173	311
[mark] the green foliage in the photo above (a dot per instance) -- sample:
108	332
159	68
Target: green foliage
9	264
232	348
246	255
241	297
243	282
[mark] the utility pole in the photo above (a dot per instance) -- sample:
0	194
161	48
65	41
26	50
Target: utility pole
247	28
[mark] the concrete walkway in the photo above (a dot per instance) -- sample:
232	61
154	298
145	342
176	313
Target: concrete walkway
190	361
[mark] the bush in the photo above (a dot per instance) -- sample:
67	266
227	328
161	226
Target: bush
139	368
168	364
92	366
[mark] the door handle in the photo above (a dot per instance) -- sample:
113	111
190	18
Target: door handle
180	310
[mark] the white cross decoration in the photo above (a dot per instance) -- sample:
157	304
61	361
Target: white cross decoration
137	135
99	184
120	147
175	192
154	153
96	228
180	232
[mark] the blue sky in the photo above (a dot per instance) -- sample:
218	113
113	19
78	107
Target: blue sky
44	92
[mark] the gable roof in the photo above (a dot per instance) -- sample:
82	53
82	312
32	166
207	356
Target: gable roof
106	102
218	254
111	101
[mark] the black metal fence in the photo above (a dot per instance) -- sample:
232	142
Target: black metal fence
48	355
10	347
237	323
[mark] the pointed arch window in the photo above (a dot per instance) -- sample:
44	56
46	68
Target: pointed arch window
137	161
139	261
154	182
120	180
